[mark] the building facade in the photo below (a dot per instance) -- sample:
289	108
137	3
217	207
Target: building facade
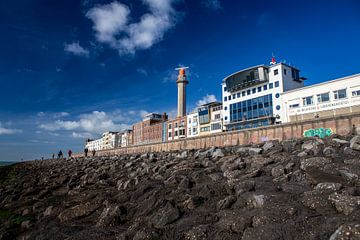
126	138
96	144
216	119
150	130
252	97
176	128
326	99
205	113
193	124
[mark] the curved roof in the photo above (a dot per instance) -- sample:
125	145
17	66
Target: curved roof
243	70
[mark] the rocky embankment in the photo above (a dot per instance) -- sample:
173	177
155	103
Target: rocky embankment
299	189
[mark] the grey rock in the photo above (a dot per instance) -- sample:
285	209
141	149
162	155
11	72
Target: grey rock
328	151
110	216
26	224
256	201
344	203
277	171
328	186
268	145
244	186
314	162
302	154
255	151
349	151
48	211
218	153
340	141
355	143
226	202
349	231
348	175
165	216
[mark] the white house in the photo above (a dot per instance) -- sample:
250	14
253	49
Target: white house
193	124
252	97
326	99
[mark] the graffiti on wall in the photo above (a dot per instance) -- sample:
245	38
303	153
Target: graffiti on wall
320	132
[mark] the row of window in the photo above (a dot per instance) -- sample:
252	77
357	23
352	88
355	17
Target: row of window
325	97
252	91
251	109
182	124
176	133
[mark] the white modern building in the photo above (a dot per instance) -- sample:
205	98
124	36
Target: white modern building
216	119
125	138
94	144
252	97
110	140
193	124
326	99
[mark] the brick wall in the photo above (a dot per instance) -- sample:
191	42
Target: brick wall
341	125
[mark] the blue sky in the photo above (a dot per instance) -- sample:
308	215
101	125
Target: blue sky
73	69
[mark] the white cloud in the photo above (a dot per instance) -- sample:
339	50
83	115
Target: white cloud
52	115
8	131
212	4
111	25
142	71
83	135
96	122
206	99
76	49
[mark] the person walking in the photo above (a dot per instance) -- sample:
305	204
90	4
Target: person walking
86	152
93	152
60	154
69	153
53	155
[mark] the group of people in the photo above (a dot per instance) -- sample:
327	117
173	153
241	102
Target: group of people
86	151
61	155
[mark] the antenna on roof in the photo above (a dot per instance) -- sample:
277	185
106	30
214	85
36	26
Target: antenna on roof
273	61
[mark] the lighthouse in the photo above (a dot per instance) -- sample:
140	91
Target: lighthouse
181	83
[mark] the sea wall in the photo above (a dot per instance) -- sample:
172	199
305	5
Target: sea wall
341	125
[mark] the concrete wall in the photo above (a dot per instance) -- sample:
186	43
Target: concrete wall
341	125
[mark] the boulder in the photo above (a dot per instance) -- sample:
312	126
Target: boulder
328	186
218	153
165	216
340	141
316	162
226	202
277	171
348	231
355	143
344	203
110	216
328	151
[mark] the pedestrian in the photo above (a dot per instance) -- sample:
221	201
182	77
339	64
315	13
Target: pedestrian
60	154
53	155
86	152
93	152
69	153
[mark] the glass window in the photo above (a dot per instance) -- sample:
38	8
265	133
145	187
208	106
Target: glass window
276	72
234	96
248	92
356	93
278	107
265	87
277	84
324	97
238	95
189	131
169	134
277	95
259	89
176	134
225	108
170	126
271	86
308	100
225	99
254	90
226	118
340	94
176	125
225	88
284	71
243	93
229	97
